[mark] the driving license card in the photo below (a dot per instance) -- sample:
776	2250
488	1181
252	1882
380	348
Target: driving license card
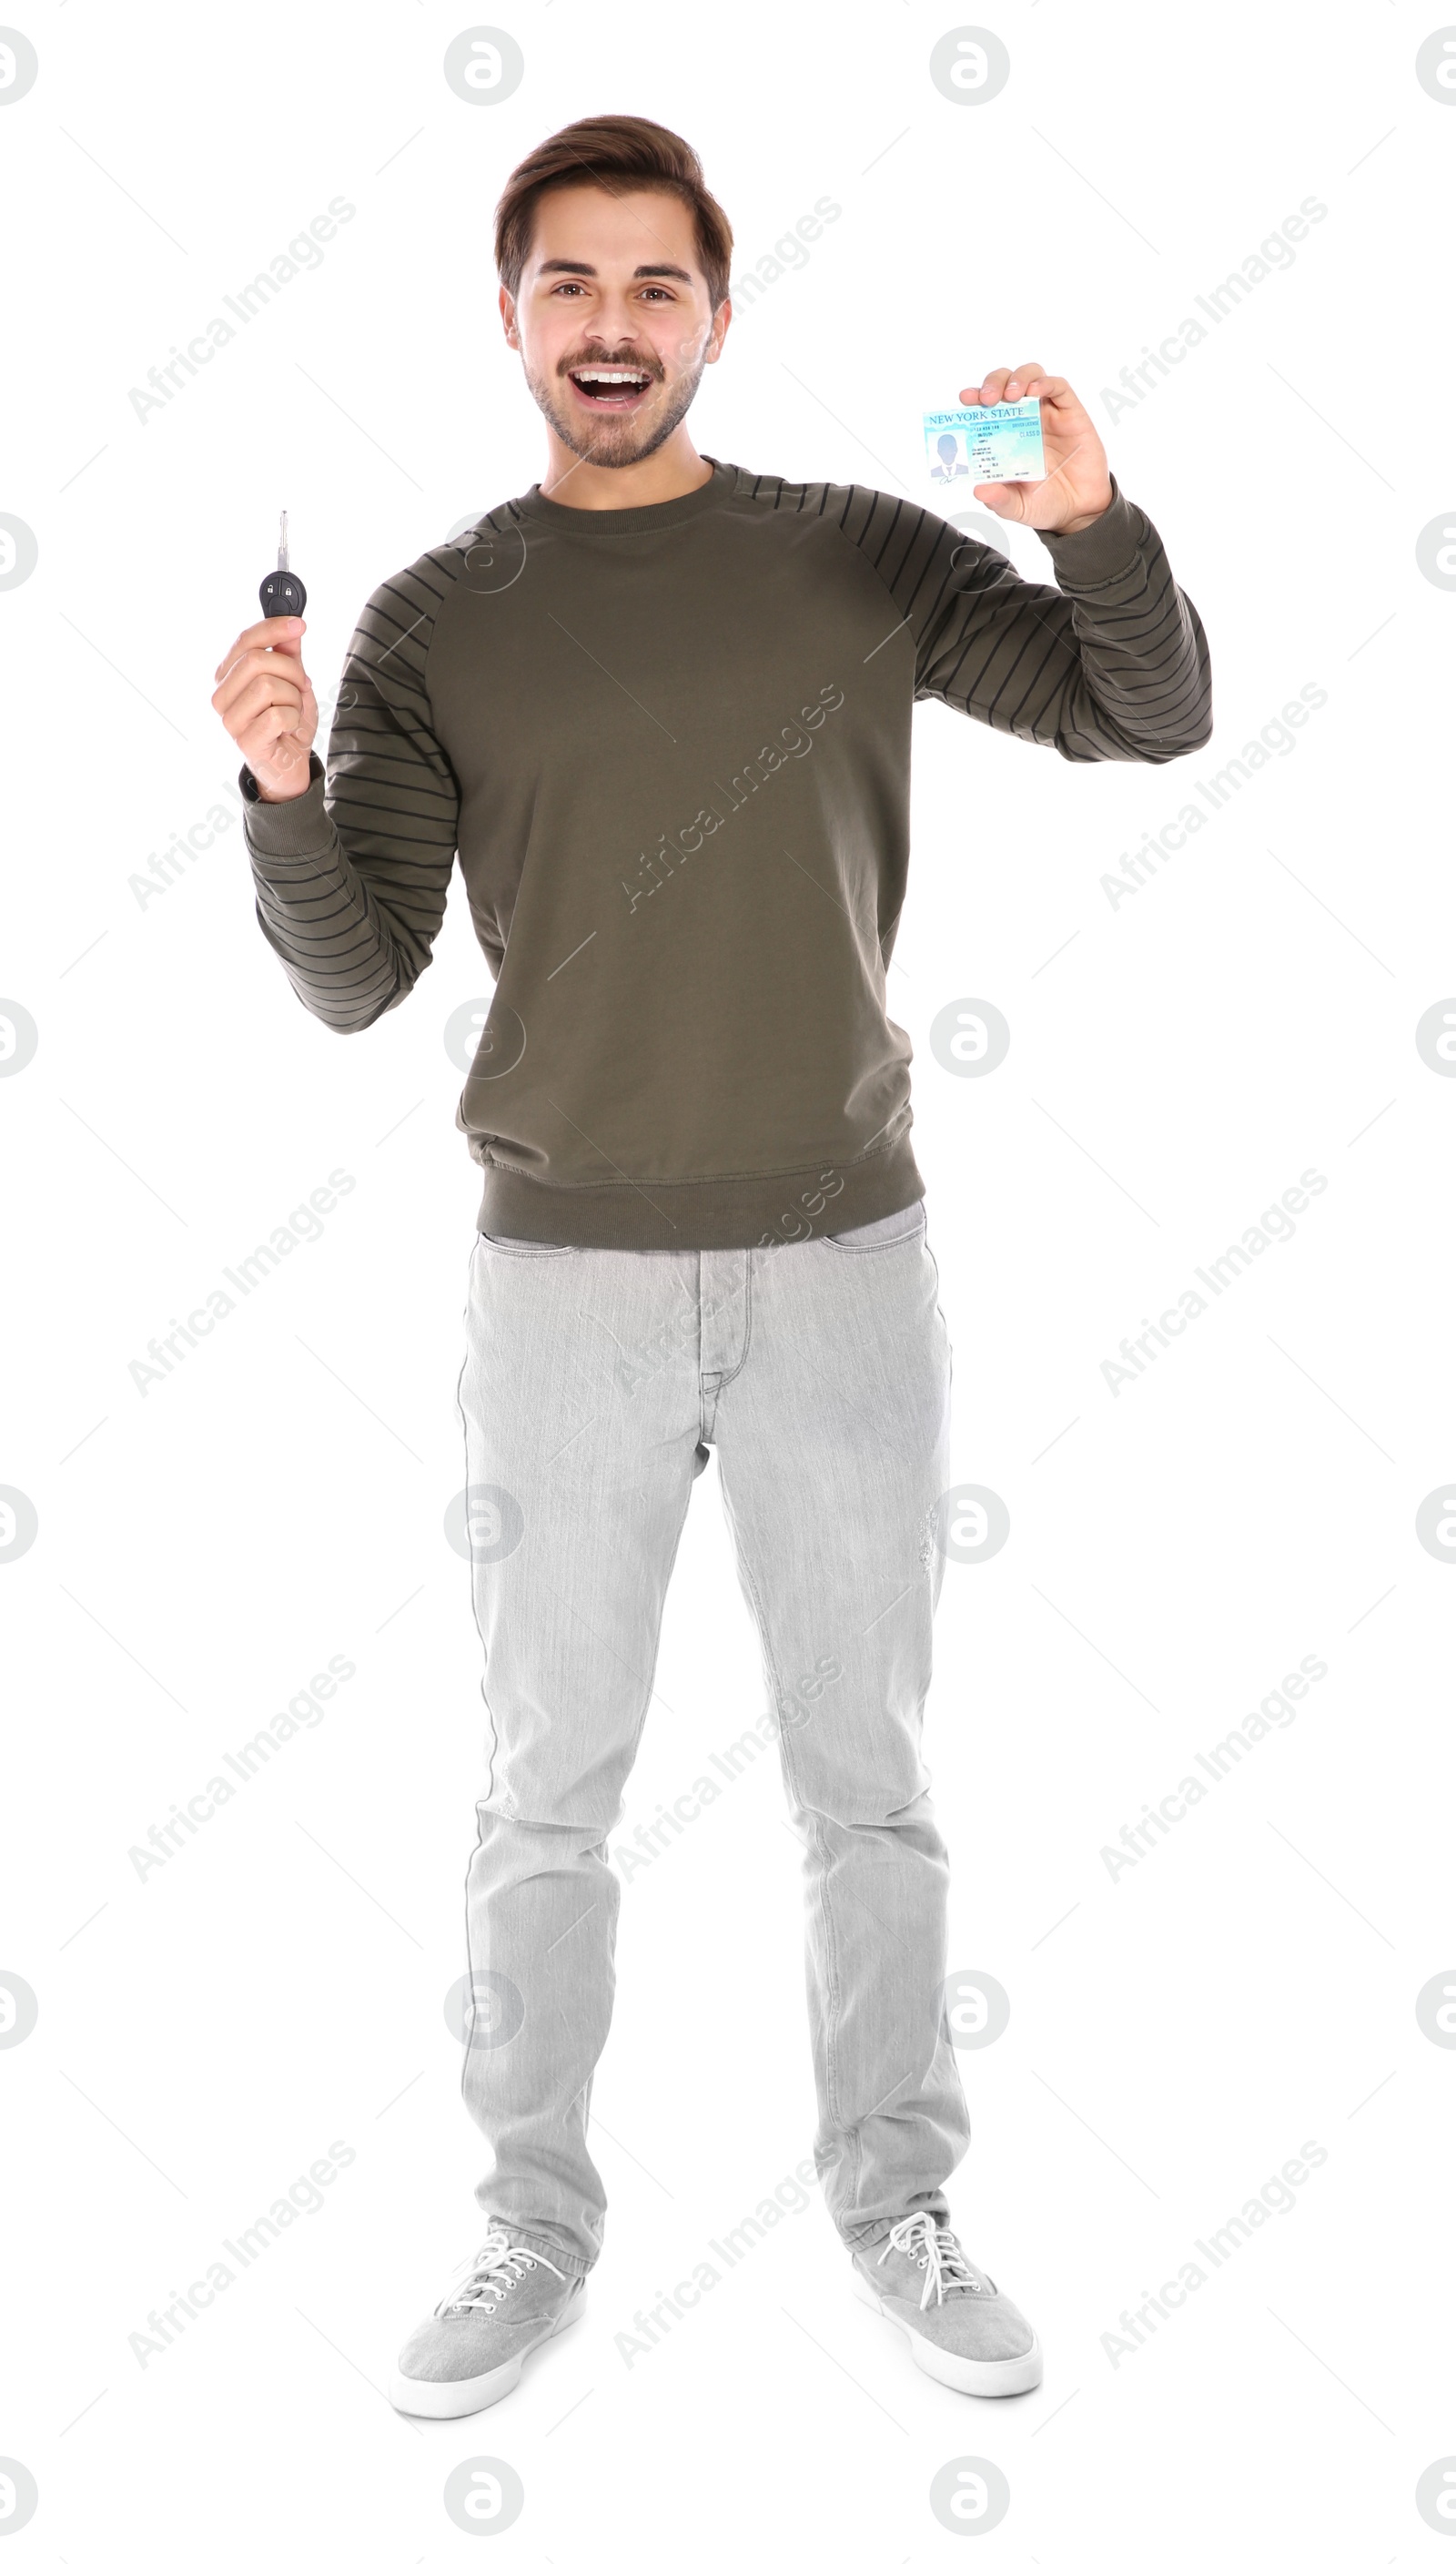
1002	443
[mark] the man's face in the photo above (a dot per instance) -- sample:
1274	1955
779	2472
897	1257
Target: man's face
612	319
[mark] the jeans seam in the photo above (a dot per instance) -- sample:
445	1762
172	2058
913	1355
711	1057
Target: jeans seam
656	1652
718	1381
817	1827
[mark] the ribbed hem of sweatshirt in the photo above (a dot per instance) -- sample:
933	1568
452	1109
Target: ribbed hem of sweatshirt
720	1211
287	828
1103	550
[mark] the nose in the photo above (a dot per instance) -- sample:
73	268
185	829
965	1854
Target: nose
615	324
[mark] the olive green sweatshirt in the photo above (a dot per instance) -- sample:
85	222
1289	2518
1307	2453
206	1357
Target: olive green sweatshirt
670	748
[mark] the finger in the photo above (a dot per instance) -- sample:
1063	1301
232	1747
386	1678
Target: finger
1003	497
259	670
290	753
981	395
266	663
281	632
276	668
271	740
1021	382
1003	382
1054	389
248	663
240	701
273	665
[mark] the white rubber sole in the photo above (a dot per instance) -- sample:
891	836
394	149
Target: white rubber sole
967	2376
448	2398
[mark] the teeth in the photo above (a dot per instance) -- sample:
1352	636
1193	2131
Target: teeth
585	375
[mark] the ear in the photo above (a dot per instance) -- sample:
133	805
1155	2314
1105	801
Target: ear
508	318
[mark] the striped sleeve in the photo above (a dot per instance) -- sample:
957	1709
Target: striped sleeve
352	878
1112	662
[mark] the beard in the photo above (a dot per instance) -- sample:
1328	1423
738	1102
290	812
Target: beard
613	443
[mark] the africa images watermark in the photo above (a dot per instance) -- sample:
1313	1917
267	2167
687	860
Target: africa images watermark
1276	2196
1275	251
304	1226
1276	738
1275	1225
790	250
1276	1709
304	250
790	2198
172	862
756	771
670	1824
304	2198
305	1709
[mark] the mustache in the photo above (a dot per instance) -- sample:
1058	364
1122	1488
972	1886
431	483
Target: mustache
629	359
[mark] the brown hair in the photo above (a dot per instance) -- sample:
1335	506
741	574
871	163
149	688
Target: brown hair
616	152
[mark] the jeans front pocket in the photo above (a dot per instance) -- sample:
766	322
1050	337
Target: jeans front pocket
518	1246
888	1231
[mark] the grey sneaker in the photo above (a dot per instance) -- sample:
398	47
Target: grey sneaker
959	2327
504	2302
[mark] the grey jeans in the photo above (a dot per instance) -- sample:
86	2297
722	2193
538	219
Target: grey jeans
594	1382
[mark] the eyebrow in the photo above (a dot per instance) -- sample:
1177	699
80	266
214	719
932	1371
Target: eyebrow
579	267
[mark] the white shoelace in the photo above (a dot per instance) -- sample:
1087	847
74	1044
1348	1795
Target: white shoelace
935	2247
496	2267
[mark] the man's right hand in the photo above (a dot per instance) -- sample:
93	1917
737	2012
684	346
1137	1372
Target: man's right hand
265	702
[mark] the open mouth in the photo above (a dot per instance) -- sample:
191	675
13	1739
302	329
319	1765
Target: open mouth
618	387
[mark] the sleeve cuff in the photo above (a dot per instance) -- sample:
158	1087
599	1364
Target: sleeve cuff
1103	549
297	827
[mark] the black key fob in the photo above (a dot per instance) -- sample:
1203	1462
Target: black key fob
282	592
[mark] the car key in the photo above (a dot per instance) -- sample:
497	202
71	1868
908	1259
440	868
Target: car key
282	592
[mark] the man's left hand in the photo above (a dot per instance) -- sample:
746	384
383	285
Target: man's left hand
1076	487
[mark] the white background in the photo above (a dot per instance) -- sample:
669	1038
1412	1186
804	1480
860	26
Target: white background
1176	1063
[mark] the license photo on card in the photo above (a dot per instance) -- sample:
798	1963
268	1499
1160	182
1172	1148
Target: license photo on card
1001	443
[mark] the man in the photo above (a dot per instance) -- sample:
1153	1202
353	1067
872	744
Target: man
950	467
660	707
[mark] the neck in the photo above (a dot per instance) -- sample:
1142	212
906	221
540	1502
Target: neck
670	473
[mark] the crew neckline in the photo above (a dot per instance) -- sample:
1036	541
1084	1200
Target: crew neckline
601	525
